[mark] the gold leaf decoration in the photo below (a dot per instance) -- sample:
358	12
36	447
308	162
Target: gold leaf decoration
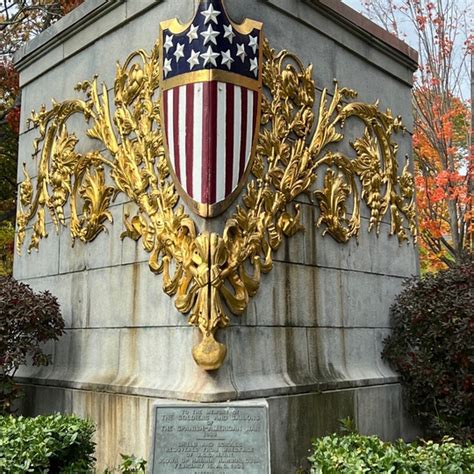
208	274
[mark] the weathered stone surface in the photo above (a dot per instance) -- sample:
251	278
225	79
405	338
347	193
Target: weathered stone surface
39	92
372	402
118	415
130	296
83	52
25	155
104	251
38	264
321	412
56	32
91	32
347	354
373	254
268	361
71	291
115	416
291	22
48	61
329	297
133	361
137	7
261	362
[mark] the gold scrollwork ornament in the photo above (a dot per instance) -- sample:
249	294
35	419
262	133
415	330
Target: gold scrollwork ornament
209	274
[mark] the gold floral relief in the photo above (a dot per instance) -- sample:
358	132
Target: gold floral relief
208	274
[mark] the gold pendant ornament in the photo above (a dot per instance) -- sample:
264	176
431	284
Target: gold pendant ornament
212	110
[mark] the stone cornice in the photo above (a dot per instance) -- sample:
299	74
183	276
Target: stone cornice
90	11
75	21
362	26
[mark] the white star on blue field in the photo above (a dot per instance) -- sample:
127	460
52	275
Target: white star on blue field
211	42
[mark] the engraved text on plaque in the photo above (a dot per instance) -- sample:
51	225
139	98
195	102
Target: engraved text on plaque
211	439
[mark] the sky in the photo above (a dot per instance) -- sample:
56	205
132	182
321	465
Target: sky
355	4
411	39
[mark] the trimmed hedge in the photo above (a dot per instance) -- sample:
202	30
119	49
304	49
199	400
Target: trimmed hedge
355	453
432	347
27	321
47	444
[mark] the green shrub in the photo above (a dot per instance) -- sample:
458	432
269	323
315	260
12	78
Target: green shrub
51	444
432	347
7	237
130	465
355	453
27	321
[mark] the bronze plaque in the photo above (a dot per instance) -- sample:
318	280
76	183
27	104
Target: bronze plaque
224	438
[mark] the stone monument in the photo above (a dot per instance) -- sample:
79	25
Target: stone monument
224	224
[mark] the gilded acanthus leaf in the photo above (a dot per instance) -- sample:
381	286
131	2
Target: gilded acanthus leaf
209	274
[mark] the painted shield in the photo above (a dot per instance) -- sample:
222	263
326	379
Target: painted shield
210	94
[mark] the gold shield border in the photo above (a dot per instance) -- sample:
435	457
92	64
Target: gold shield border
245	28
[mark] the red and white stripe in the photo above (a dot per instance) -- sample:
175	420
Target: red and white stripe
210	127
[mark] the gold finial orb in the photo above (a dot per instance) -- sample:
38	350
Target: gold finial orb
209	354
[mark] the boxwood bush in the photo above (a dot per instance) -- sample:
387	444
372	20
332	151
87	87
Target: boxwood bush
432	347
355	453
46	444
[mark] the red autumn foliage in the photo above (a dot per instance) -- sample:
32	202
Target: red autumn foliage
442	163
9	78
69	5
442	128
13	119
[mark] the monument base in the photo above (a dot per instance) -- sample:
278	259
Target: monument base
125	422
309	340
